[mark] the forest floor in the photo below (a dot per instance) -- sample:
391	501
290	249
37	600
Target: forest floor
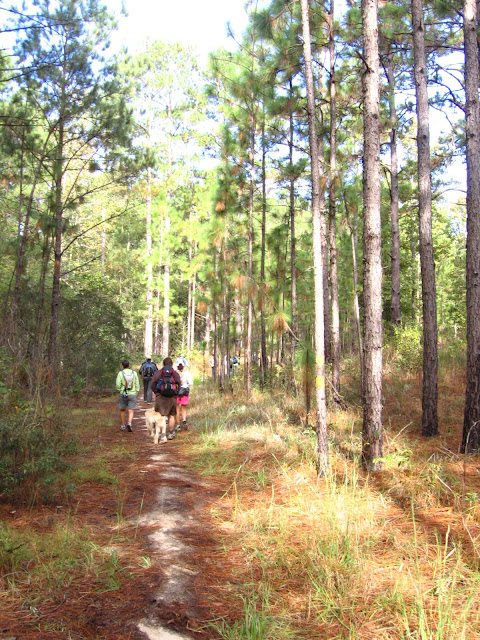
149	513
224	532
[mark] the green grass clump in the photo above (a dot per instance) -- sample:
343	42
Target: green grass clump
49	562
255	622
96	472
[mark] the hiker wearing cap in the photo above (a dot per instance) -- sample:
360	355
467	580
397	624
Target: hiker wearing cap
183	397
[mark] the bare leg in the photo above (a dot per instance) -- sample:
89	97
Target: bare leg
179	413
122	417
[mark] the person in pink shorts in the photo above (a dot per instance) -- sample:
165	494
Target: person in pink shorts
183	397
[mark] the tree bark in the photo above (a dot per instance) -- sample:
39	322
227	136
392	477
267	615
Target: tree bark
52	352
238	325
166	311
471	423
192	321
263	331
321	408
395	310
156	333
372	273
208	329
148	337
332	231
427	263
356	304
248	342
293	245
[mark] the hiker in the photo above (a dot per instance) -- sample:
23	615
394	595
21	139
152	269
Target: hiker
165	386
128	386
147	370
183	397
181	360
234	362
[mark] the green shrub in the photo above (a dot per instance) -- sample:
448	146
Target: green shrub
407	344
32	453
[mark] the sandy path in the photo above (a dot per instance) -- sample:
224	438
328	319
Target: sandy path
167	526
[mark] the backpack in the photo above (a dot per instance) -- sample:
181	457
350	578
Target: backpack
127	379
166	385
148	369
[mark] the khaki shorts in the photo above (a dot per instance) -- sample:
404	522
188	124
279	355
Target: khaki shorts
166	406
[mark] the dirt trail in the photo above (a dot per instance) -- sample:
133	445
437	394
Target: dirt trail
171	525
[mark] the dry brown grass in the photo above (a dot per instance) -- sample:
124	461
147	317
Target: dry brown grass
389	556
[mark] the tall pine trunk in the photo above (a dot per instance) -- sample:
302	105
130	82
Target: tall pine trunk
395	311
471	423
332	231
148	337
166	311
318	261
427	264
52	354
263	330
293	242
238	325
192	311
372	273
249	336
356	304
157	345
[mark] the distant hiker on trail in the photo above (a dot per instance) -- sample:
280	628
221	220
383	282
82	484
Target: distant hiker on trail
183	397
234	362
147	369
165	386
128	386
181	360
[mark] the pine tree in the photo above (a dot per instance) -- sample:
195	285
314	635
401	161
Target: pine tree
321	409
82	106
471	423
430	356
372	276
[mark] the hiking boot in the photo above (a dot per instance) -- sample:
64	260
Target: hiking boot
129	428
163	439
184	425
123	427
171	435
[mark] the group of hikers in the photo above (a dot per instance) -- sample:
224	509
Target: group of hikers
170	385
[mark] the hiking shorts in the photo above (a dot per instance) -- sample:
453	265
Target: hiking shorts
183	400
127	402
166	406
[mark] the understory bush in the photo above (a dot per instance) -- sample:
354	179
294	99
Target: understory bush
33	452
407	346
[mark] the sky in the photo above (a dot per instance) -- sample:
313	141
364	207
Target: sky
198	23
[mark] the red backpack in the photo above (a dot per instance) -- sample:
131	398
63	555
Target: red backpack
166	385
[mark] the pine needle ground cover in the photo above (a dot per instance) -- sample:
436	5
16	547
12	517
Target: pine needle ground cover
278	555
391	556
72	565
